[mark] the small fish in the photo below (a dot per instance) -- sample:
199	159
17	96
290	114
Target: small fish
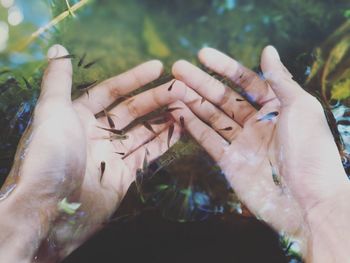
81	60
112	130
149	127
275	177
90	64
117	137
120	153
86	85
170	133
226	129
63	57
159	120
109	119
269	116
102	168
27	83
145	161
238	99
343	122
171	86
182	124
173	109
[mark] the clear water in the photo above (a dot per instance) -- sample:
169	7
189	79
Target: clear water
123	33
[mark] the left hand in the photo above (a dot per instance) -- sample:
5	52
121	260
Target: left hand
61	153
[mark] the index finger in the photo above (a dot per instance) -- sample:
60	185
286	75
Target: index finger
254	86
105	93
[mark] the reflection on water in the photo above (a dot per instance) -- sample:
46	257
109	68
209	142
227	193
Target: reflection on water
313	37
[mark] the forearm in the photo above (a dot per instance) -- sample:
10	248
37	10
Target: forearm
20	236
329	239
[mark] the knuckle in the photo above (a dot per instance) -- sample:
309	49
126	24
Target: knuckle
214	117
203	137
132	109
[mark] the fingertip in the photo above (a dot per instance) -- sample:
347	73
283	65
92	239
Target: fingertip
179	67
207	55
56	51
271	52
157	66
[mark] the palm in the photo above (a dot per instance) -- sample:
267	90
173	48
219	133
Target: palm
251	166
64	147
265	154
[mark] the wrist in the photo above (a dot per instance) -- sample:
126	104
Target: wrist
329	236
21	235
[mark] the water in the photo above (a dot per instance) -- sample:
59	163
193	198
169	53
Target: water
121	34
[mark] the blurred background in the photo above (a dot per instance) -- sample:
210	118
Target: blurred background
187	212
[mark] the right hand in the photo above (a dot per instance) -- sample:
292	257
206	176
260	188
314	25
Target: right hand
295	142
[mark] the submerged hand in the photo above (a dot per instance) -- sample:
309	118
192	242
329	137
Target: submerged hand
281	160
65	157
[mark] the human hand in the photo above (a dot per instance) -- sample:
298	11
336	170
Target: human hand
281	160
60	156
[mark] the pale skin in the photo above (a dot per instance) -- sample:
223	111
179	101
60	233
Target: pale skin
64	155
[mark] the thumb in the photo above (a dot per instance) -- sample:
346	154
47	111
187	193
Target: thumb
57	80
279	78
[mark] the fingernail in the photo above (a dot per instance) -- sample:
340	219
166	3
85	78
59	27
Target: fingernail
274	52
52	52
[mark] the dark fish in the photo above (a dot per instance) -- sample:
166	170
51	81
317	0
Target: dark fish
114	131
159	120
81	60
149	127
117	137
343	122
27	83
170	133
171	86
88	65
109	119
172	109
238	99
120	153
102	168
226	129
64	57
275	178
86	85
269	116
145	161
182	124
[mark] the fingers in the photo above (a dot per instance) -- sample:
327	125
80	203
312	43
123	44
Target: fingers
253	85
212	142
214	91
146	102
137	137
212	115
279	77
155	148
57	80
104	94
